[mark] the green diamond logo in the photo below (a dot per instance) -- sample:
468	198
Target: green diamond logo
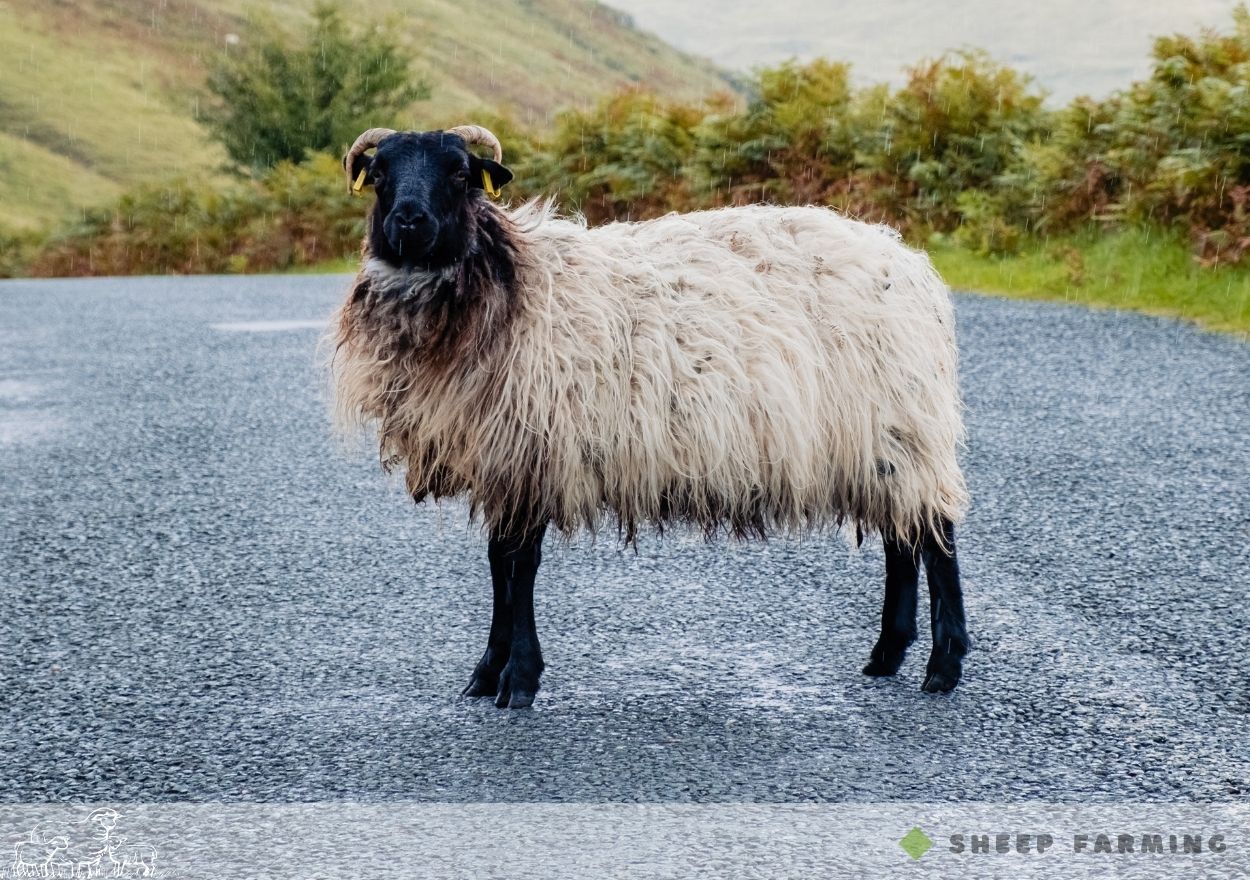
916	843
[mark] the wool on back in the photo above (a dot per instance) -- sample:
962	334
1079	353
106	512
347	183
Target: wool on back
756	369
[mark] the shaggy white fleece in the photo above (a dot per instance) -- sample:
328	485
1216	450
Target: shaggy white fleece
757	369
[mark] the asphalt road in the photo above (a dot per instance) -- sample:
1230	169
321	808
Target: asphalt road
203	597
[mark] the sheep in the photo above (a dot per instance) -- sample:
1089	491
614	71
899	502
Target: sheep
753	370
138	856
34	857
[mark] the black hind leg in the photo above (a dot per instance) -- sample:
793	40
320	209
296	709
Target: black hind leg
898	614
512	663
946	612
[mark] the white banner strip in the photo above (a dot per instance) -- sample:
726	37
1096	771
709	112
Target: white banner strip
644	841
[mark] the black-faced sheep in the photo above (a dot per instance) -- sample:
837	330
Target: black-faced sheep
752	369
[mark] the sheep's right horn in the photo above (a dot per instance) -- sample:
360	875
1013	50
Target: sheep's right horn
367	141
475	134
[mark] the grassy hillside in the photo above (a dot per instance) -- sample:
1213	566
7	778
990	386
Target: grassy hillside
97	95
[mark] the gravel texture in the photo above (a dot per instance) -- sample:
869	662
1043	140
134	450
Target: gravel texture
203	596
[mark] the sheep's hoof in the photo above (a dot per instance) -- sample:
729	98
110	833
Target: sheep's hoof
884	661
517	687
485	679
483	684
942	674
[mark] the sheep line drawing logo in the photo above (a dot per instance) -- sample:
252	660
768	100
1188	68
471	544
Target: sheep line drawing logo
44	853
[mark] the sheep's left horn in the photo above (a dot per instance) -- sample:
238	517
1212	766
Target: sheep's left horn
475	134
367	141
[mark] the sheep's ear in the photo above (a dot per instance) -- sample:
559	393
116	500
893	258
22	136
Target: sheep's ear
498	174
362	165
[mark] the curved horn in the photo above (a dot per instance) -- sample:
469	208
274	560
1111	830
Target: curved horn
475	134
367	141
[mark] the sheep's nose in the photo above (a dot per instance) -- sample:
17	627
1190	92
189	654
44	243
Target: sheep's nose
410	217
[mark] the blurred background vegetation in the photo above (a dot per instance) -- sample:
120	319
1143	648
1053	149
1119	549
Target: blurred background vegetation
1140	199
100	96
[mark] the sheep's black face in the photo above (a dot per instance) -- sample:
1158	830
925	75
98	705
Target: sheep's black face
426	184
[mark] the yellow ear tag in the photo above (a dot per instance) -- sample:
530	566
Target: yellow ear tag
360	181
488	185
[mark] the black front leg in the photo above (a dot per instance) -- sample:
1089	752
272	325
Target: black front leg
513	661
898	613
946	612
485	681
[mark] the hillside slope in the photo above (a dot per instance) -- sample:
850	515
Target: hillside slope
96	95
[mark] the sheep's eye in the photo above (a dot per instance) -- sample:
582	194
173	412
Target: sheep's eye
378	177
460	177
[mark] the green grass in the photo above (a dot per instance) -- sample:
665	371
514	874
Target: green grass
1139	269
38	183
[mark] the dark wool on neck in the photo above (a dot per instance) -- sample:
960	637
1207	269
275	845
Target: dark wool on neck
445	314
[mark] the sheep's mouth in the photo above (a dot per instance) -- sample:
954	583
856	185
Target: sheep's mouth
411	246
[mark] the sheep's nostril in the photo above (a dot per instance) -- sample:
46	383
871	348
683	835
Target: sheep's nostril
409	219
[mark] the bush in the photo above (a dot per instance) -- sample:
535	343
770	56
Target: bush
793	144
1073	181
984	227
1171	149
17	249
1185	139
625	159
278	99
294	215
957	126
